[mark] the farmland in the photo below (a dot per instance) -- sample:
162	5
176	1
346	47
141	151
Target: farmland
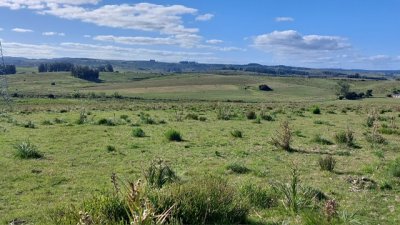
80	153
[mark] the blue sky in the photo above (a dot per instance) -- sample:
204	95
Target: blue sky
360	34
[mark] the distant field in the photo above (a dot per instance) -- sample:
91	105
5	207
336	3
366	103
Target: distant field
192	86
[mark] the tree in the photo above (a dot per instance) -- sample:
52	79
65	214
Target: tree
109	68
86	73
368	94
342	88
9	69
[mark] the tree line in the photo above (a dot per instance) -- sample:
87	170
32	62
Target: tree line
78	71
8	69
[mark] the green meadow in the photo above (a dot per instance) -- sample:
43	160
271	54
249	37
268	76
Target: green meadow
231	133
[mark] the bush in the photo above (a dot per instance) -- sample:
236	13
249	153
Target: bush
202	118
107	122
327	163
237	168
208	200
266	117
316	110
29	124
26	150
345	137
259	197
321	140
111	148
283	137
237	133
159	173
146	119
138	132
173	135
394	168
192	116
251	115
264	87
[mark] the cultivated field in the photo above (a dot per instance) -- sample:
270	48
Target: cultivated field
91	130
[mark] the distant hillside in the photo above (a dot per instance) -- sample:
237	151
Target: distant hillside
192	67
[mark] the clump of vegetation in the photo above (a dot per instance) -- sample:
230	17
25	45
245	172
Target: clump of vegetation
266	117
110	148
321	140
159	173
192	116
138	132
237	168
29	124
316	110
224	114
146	119
26	150
327	163
283	137
82	117
295	196
394	168
345	137
259	197
251	115
237	133
202	118
173	135
208	200
107	122
264	87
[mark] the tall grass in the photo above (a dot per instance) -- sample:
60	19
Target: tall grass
26	150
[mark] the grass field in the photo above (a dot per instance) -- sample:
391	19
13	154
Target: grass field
79	158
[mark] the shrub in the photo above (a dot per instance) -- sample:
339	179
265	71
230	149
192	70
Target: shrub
29	124
321	140
267	117
283	137
259	197
82	118
376	139
159	173
146	119
202	118
192	116
237	133
107	122
138	132
251	115
26	150
345	137
237	168
264	87
224	114
110	148
327	163
295	196
208	200
173	135
47	122
316	110
394	168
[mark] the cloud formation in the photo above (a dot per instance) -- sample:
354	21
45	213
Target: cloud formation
22	30
42	4
284	19
290	42
51	33
205	17
214	41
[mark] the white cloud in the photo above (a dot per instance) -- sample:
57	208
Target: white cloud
21	30
205	17
183	40
141	16
51	33
284	19
214	41
290	41
87	36
41	4
70	49
1	29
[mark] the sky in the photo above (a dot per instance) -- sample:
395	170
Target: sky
351	34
